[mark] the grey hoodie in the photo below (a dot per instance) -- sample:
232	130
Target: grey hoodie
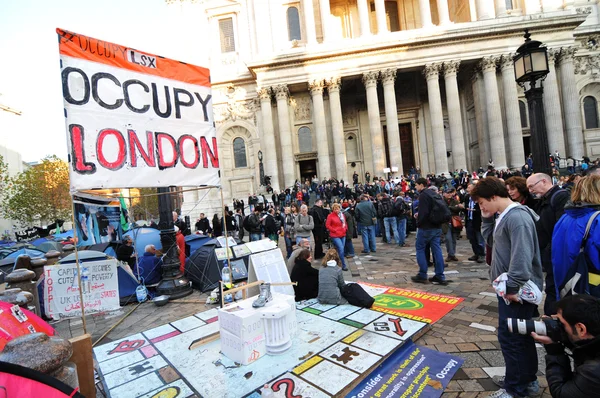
515	248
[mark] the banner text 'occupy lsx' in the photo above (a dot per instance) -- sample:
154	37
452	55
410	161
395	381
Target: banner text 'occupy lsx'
135	119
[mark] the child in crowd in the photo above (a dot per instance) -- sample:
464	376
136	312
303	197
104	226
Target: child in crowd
331	279
306	276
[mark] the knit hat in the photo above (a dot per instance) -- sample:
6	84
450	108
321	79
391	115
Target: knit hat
345	205
331	263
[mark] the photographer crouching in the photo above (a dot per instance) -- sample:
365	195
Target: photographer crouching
576	328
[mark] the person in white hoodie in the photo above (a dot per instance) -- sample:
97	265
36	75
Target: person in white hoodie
515	250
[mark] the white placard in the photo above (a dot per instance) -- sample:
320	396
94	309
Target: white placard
221	253
241	251
134	119
270	267
100	290
394	169
230	241
261	245
386	170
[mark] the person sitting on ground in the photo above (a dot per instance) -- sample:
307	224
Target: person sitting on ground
331	279
149	266
304	244
306	276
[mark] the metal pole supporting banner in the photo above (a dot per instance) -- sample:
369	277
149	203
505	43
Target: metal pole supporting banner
78	268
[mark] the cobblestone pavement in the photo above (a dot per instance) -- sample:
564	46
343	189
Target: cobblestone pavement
468	331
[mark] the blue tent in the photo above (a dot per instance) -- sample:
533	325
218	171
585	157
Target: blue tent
195	242
33	253
39	241
144	236
127	282
64	235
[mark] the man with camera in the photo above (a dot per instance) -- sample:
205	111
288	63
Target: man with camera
577	329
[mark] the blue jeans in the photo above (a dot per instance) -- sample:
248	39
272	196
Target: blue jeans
433	237
255	236
349	248
476	239
451	241
391	223
368	238
288	245
402	230
518	350
339	243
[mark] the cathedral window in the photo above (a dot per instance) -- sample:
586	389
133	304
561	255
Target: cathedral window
304	139
590	111
226	34
239	153
293	23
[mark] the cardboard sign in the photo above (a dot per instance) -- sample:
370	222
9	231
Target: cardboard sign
270	267
135	119
412	371
412	304
100	288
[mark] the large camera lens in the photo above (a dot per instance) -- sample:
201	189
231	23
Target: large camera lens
546	327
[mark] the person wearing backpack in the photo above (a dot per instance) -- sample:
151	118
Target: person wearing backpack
430	218
567	239
550	208
400	212
385	210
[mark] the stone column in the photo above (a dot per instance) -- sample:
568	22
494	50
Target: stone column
388	77
484	9
553	112
570	98
316	92
270	151
285	135
337	128
481	119
363	16
513	115
443	12
501	8
459	156
437	117
494	113
425	11
370	81
381	19
309	22
325	19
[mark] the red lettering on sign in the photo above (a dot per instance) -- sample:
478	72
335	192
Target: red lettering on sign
127	346
289	383
206	153
121	152
78	152
134	143
180	144
399	331
161	138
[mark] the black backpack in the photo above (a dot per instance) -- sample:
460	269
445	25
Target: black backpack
246	223
385	208
356	295
399	207
440	212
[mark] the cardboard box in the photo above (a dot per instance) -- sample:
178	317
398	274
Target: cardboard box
240	351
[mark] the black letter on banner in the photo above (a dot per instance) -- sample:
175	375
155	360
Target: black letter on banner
132	108
162	164
155	103
182	151
134	143
121	154
78	151
102	75
204	102
189	102
206	152
67	92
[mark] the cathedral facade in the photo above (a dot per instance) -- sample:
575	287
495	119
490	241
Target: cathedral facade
333	87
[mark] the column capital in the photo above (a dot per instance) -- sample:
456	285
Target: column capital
432	71
370	79
553	55
264	93
281	91
333	84
451	68
388	76
316	87
567	54
506	61
488	64
475	76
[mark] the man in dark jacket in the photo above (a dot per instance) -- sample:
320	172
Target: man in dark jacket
366	216
473	226
428	233
580	318
203	225
319	215
254	223
550	208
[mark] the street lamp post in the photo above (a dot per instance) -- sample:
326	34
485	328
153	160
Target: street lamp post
531	68
173	283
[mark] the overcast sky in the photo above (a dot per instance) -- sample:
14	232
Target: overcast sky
29	66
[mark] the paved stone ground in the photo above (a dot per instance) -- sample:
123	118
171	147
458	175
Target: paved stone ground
391	266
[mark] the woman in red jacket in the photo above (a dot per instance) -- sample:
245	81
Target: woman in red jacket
337	227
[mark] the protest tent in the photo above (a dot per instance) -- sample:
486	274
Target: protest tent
127	281
50	245
202	267
144	236
196	241
20	381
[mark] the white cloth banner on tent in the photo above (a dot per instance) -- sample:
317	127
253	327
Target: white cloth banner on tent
100	288
135	119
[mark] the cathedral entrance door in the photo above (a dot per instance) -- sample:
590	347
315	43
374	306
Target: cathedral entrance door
308	168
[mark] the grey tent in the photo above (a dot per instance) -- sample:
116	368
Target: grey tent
50	245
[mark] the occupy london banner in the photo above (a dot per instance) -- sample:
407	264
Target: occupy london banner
97	219
135	119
